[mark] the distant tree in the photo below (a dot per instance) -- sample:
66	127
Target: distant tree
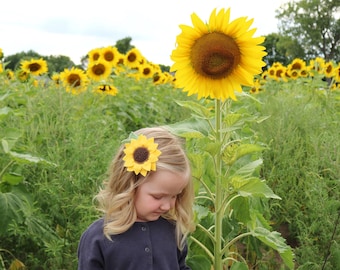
57	64
124	45
164	68
275	53
15	59
314	25
54	63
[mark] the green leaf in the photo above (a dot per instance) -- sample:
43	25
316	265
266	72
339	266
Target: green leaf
9	138
12	178
11	207
26	158
197	108
191	128
235	151
5	146
132	135
198	262
257	187
249	168
239	266
4	111
277	242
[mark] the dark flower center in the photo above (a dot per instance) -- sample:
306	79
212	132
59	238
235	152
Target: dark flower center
98	69
96	56
296	66
146	71
74	80
215	55
34	67
108	56
141	154
132	57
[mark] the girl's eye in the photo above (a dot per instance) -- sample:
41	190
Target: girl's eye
157	197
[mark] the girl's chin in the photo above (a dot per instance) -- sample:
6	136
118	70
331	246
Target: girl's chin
151	217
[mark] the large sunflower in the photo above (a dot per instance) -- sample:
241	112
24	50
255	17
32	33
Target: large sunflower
34	66
141	155
215	59
99	70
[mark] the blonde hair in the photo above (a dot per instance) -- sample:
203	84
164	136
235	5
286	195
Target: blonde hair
116	199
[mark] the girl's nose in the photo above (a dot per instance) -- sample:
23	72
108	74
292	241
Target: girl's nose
166	205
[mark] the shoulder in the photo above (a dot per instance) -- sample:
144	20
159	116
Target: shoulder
94	231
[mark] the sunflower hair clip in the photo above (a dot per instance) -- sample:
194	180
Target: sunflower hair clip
141	154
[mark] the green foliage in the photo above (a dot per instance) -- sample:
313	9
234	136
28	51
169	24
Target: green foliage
55	64
230	195
314	25
124	45
47	207
281	184
301	166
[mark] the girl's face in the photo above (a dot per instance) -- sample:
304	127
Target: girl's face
158	194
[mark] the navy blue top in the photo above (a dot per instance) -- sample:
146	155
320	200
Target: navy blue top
145	246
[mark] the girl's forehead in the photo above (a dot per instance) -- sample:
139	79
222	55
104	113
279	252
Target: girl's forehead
167	181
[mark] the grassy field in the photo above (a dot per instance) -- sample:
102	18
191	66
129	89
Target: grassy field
56	148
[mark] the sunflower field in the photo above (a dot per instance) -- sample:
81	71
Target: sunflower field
59	133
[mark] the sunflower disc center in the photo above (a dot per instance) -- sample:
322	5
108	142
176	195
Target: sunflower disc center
74	80
34	67
141	155
132	57
109	57
99	69
215	55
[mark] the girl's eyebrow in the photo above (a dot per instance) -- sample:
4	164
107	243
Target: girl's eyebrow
165	194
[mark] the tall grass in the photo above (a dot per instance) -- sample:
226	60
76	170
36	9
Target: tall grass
80	135
302	167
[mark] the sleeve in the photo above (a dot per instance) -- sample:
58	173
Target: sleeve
90	256
182	254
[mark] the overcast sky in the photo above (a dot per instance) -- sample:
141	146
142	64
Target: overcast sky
73	28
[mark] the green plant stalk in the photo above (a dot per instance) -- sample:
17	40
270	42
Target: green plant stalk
219	192
2	173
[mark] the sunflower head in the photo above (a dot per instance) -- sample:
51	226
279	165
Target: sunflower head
141	155
215	59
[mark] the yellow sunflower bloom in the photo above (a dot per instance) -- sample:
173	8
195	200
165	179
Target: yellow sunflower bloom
110	54
74	80
56	78
106	89
146	70
297	64
141	155
22	75
94	54
99	70
329	69
337	73
34	66
215	59
133	58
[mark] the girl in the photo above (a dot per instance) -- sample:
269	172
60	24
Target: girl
147	205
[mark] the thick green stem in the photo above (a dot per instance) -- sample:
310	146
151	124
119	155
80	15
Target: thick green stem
219	192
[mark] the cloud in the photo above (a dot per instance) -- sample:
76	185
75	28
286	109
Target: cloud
73	28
